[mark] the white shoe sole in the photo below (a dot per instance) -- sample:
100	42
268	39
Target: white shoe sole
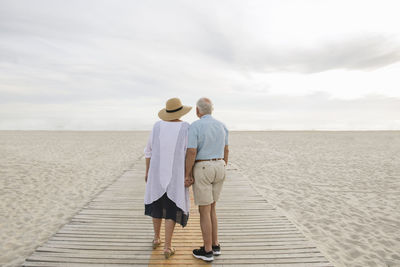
217	253
204	258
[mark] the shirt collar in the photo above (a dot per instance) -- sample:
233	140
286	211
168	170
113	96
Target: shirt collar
205	116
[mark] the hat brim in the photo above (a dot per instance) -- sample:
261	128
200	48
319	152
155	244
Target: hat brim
169	116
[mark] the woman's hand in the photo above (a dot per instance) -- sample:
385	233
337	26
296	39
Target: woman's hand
189	180
145	177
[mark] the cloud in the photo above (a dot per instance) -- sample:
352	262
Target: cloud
107	58
362	53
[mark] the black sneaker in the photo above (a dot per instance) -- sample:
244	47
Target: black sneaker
216	250
202	254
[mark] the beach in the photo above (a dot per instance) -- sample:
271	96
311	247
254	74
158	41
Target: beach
46	177
341	189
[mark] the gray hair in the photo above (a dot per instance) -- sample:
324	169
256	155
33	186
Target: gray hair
204	105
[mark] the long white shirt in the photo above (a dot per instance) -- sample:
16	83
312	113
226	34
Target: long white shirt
166	147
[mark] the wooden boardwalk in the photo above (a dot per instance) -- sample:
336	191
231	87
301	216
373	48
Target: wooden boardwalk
111	230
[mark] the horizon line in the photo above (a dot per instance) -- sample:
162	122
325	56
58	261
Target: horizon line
268	130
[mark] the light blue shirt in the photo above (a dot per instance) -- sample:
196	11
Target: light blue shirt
209	136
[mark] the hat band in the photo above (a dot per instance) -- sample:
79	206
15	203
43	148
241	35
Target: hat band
174	110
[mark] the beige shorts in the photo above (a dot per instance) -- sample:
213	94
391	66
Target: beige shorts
208	179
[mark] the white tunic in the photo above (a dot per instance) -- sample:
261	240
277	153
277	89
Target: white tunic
167	149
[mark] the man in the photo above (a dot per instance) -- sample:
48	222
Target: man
206	158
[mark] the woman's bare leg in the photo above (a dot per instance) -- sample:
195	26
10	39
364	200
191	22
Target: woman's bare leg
169	230
157	228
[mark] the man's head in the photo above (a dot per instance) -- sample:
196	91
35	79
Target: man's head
204	106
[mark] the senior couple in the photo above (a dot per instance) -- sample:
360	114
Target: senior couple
179	155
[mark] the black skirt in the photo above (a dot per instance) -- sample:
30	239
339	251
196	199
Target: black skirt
167	209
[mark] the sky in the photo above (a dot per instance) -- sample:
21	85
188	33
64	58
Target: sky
265	64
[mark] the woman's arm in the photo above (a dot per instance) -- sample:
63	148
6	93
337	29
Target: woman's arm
147	154
147	168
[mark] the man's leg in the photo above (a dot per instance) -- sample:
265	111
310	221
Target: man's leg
206	226
216	190
214	223
202	190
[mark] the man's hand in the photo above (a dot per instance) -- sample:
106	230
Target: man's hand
189	162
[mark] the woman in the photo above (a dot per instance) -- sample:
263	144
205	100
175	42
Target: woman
166	195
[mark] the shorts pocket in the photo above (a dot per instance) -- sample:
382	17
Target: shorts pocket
220	173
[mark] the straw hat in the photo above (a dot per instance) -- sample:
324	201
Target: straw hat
173	110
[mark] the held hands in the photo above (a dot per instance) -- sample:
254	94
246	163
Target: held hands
189	180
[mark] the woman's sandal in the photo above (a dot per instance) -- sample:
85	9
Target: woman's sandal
156	243
169	252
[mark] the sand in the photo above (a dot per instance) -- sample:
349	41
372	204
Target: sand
341	189
46	177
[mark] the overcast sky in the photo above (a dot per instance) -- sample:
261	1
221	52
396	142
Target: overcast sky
267	65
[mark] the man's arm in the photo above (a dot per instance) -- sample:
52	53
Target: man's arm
147	168
190	159
226	154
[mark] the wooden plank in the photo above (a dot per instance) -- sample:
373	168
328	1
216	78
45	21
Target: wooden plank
62	264
118	255
134	246
124	249
71	264
145	239
232	232
135	243
121	234
232	228
134	259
